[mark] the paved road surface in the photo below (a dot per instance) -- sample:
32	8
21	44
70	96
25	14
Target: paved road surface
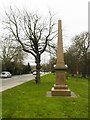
6	83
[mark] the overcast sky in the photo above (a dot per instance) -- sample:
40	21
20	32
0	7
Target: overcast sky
73	13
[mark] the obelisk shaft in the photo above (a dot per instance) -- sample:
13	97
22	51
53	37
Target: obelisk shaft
60	65
60	54
60	87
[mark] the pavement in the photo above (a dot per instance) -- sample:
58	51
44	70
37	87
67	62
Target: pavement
7	83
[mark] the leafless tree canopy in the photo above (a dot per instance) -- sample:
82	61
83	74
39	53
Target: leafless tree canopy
31	31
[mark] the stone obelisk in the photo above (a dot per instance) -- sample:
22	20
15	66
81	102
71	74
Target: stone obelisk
60	87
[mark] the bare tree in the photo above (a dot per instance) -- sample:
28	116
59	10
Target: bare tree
33	33
82	45
10	51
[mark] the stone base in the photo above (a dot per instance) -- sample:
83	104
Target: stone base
49	94
60	90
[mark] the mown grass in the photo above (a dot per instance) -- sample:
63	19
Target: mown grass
29	100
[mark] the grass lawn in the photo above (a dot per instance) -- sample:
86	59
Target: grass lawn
29	100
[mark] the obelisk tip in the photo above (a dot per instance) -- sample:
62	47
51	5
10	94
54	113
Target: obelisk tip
59	20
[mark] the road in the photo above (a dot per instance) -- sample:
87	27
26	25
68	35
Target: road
7	83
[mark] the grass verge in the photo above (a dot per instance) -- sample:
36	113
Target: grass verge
29	100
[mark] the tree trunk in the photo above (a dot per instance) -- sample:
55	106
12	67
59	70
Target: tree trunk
38	69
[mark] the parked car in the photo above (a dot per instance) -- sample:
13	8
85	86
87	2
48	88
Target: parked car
5	74
34	73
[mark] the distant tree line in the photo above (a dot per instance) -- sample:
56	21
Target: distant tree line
12	57
77	56
16	69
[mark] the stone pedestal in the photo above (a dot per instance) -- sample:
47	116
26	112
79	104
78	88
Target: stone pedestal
60	88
